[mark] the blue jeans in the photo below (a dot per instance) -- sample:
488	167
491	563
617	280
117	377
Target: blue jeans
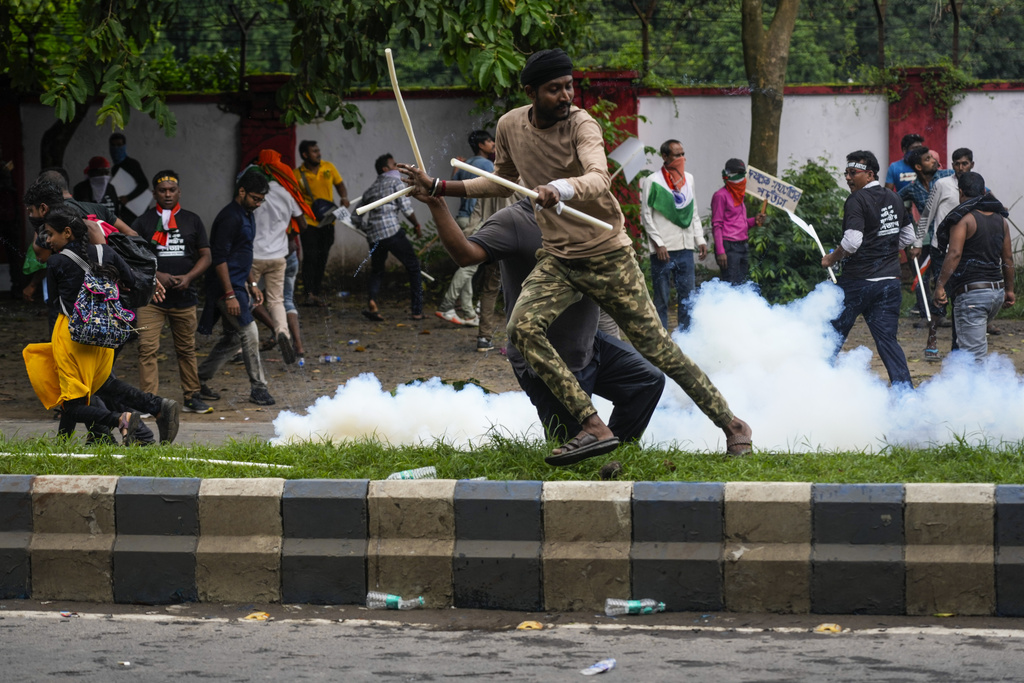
879	303
973	311
291	274
680	267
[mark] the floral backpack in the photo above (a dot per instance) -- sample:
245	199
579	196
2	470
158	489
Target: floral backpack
98	318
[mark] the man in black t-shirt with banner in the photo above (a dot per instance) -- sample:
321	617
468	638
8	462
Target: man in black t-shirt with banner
875	228
183	254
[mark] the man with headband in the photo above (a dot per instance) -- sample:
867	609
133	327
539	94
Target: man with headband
875	228
557	149
183	255
669	215
730	224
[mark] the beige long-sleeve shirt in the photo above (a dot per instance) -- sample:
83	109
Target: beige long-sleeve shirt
574	150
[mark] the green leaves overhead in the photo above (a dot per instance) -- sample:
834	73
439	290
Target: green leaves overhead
338	46
73	50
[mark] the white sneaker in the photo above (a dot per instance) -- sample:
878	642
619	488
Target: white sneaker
472	322
452	317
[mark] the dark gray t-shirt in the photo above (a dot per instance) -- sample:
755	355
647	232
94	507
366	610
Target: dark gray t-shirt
512	238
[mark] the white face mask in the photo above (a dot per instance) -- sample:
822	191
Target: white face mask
99	186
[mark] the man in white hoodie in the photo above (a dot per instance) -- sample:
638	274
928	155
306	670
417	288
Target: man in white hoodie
669	216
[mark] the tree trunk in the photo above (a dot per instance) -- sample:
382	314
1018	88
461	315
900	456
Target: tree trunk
765	56
56	138
880	14
645	34
955	6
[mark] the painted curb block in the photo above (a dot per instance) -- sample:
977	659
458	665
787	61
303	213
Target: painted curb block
519	545
238	558
325	540
15	536
677	544
857	557
412	539
498	532
157	536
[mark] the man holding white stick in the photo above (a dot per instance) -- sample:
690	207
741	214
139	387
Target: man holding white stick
558	150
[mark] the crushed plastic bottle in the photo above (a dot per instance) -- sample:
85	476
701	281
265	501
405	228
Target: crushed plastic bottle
375	600
429	472
614	607
599	667
328	358
300	361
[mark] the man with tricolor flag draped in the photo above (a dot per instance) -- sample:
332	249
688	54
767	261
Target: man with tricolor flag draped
730	224
668	214
183	254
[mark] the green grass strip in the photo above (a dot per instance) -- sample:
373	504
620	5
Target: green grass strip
511	459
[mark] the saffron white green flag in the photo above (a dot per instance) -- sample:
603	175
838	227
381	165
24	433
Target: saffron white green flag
675	205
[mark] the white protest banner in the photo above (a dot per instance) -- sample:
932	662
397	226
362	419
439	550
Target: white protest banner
630	157
769	188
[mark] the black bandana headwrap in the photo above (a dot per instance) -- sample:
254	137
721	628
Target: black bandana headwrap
985	202
545	66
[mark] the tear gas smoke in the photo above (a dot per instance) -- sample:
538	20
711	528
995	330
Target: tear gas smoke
774	364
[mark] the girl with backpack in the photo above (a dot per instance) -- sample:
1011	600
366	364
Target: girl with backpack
64	372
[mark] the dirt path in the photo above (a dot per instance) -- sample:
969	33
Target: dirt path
398	350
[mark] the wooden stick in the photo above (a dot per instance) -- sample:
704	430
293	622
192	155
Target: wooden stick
427	245
529	193
401	108
764	205
383	200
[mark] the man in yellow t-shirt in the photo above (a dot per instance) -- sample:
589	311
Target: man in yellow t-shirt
317	180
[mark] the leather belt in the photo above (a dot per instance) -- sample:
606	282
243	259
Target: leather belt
980	285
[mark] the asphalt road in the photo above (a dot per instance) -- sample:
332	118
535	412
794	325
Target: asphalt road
209	643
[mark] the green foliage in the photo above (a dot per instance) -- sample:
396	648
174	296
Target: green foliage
944	87
72	51
216	72
336	46
784	260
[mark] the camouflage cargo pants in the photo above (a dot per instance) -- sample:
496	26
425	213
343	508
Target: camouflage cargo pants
614	281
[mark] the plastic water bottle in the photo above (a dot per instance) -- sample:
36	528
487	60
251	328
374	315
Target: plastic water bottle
300	361
328	358
375	600
614	607
429	472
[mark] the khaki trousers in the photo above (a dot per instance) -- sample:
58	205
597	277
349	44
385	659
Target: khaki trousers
150	321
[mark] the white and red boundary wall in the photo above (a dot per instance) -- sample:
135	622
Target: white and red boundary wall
218	134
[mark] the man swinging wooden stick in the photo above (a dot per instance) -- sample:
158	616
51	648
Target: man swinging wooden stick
558	150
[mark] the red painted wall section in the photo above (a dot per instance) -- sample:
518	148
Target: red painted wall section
615	86
914	114
261	126
618	87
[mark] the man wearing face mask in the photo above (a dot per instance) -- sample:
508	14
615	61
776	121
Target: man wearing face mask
731	225
96	188
669	215
119	154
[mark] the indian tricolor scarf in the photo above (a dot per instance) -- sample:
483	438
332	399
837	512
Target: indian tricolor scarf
167	223
670	198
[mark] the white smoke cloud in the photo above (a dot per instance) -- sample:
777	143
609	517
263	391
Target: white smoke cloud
774	365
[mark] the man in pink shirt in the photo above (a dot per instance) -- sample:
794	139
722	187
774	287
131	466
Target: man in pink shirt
730	223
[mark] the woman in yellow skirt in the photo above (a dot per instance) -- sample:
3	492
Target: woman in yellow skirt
63	372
